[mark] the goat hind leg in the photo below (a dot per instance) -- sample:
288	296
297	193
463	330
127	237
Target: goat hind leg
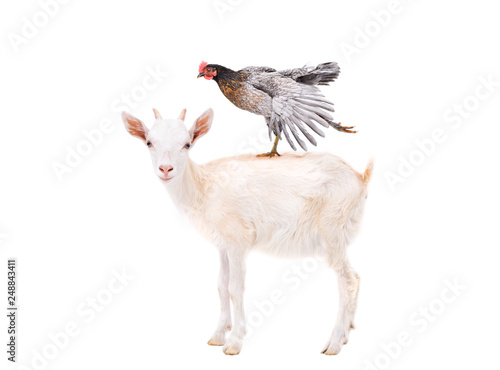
348	281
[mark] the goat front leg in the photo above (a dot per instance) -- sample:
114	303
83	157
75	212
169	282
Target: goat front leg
348	281
219	336
236	290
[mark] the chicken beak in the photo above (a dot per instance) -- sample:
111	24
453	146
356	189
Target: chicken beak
201	75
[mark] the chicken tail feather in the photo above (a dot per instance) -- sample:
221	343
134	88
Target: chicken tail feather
323	74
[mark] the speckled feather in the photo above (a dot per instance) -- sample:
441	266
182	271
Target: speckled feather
288	99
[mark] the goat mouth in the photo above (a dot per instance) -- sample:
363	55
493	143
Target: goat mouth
165	179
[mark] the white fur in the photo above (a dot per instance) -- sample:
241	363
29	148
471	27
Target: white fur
294	205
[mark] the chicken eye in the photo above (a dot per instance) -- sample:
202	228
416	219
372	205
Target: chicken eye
148	143
209	69
187	146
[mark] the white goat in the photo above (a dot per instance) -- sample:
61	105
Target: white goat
294	205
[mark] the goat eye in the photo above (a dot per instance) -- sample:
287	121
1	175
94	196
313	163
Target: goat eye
187	146
148	143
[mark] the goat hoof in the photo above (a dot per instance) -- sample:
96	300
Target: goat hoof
218	339
216	342
334	345
331	349
232	347
331	352
231	351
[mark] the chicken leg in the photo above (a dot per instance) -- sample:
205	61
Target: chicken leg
274	150
339	127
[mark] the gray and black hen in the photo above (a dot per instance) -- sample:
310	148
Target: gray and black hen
288	99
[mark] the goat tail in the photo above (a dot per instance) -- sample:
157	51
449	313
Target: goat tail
365	177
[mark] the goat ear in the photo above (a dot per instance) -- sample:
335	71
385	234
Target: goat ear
201	125
134	126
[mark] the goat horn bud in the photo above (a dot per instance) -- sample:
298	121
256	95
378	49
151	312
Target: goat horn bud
182	115
157	114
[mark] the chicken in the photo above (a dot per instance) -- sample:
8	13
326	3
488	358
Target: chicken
288	99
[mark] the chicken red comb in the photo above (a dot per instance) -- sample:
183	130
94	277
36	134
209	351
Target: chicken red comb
202	66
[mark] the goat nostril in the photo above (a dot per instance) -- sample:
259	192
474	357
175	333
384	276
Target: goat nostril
165	169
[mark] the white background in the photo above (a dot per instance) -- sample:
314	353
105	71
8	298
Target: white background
110	212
